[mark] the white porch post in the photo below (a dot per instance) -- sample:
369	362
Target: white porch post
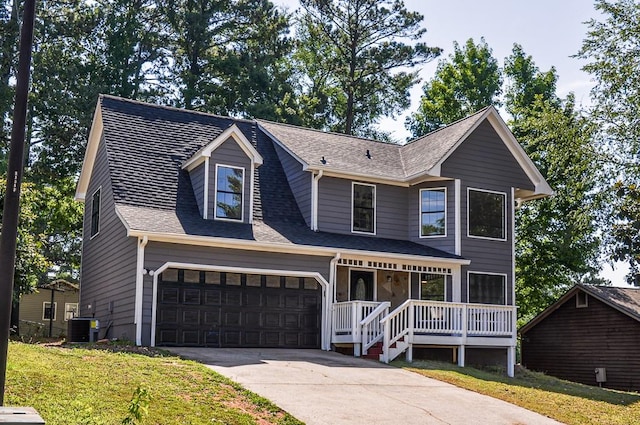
456	284
511	361
461	355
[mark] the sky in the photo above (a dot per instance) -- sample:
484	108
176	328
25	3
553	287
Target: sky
550	31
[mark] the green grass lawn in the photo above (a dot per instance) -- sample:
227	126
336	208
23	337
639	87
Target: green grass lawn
94	387
564	401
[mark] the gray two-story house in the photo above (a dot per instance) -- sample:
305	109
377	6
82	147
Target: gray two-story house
204	230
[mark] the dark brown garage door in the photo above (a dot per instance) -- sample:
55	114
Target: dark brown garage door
217	309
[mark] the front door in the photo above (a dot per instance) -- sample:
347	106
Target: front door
361	285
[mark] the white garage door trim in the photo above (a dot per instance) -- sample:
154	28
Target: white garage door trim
325	343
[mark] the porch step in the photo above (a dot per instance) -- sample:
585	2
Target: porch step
374	351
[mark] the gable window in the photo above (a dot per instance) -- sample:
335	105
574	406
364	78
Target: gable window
49	313
487	288
364	208
582	300
229	192
433	212
487	214
432	287
95	213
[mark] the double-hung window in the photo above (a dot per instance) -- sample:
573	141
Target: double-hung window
364	208
487	214
229	192
433	212
95	213
487	288
432	287
48	312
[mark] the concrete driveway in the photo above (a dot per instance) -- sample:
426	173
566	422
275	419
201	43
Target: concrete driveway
320	387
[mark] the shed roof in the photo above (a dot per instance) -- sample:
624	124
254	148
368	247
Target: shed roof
625	300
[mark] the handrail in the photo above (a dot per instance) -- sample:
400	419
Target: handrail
371	329
397	322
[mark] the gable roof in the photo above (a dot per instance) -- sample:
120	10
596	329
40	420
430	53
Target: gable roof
625	300
148	149
416	161
232	132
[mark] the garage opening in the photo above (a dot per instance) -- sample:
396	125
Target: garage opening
223	309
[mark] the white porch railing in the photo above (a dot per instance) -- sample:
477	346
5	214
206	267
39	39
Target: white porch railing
347	317
418	321
372	329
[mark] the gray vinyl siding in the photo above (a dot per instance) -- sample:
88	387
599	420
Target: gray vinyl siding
484	162
230	153
299	182
334	208
447	243
158	253
108	272
197	182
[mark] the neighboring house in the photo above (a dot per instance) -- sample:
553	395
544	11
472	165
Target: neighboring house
38	317
211	231
590	335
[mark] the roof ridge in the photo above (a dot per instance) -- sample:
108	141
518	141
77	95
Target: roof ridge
479	112
335	133
173	108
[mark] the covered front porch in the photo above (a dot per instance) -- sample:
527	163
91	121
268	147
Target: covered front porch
388	309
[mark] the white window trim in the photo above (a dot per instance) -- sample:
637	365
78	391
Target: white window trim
55	310
375	282
66	311
99	189
375	208
420	212
420	285
579	304
215	198
506	299
504	218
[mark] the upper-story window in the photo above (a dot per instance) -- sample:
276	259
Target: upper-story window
95	213
229	192
487	214
364	208
433	212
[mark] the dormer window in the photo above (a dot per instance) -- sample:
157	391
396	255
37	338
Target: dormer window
229	192
364	208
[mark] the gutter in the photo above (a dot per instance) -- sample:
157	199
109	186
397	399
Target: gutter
140	272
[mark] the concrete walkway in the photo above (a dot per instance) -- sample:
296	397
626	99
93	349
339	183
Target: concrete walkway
320	387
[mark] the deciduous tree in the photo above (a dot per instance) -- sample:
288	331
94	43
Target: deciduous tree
466	82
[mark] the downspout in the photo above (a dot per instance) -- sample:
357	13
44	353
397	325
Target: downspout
140	272
331	297
205	194
314	200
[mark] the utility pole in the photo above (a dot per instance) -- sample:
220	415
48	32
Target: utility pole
8	237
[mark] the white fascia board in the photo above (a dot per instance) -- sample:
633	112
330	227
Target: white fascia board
231	132
95	135
282	248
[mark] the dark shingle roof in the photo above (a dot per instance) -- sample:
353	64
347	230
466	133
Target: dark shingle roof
348	153
625	300
146	146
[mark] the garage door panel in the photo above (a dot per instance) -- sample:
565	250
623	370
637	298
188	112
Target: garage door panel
191	317
212	317
212	297
252	311
191	296
168	316
232	318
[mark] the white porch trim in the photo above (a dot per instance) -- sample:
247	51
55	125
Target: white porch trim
140	272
